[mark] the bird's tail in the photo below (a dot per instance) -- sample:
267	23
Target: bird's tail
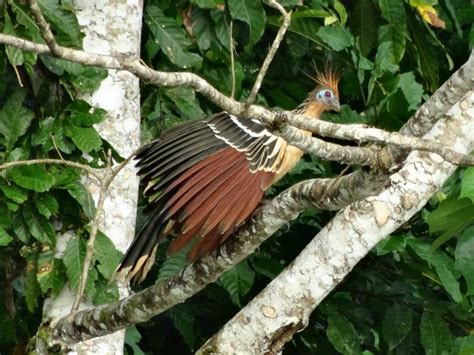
139	257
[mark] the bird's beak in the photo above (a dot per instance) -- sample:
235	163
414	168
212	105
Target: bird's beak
335	106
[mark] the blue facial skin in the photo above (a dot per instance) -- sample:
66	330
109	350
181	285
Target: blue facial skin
327	97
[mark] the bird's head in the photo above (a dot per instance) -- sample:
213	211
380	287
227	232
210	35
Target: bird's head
325	97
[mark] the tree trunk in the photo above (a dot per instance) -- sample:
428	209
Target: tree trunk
111	28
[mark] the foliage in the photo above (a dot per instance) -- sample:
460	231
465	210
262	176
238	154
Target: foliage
413	293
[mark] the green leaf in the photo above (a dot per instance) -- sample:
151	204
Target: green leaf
32	288
20	228
106	254
342	335
338	38
412	91
39	227
393	11
45	274
467	185
132	338
32	177
105	293
14	119
238	281
434	334
395	35
47	205
63	22
397	324
364	25
251	12
172	265
464	345
85	138
464	258
203	29
208	4
184	320
74	260
185	100
15	193
5	238
83	196
451	215
82	114
171	38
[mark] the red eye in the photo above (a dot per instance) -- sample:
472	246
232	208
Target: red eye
327	94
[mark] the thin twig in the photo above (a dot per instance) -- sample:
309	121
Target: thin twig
110	174
271	53
232	61
73	164
44	28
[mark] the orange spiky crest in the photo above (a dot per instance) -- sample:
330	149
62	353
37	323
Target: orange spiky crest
328	79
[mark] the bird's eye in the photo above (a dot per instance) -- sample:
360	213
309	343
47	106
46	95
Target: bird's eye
327	93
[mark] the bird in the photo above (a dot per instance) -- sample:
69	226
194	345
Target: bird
205	177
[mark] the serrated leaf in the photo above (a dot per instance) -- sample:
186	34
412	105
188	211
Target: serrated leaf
32	177
45	274
396	325
63	22
338	38
105	293
238	281
171	38
83	196
74	260
363	25
185	100
85	138
14	119
106	254
342	335
467	185
173	265
82	114
32	288
132	338
5	238
184	321
251	12
464	255
451	215
47	205
20	228
39	227
412	91
15	193
434	334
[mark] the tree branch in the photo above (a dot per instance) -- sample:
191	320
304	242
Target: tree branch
279	310
173	79
330	193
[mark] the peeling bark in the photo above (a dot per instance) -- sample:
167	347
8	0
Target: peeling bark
287	302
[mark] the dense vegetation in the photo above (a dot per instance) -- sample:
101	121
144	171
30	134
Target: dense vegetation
413	293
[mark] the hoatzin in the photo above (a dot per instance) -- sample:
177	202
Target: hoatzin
204	178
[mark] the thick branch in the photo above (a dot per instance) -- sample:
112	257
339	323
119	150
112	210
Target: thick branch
174	79
330	193
342	243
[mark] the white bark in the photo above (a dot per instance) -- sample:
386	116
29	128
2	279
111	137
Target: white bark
284	307
112	28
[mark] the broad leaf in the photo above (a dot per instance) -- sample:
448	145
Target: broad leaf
83	196
5	238
251	12
45	273
364	25
73	260
32	177
47	205
434	334
14	119
238	281
467	186
342	335
464	255
14	193
397	324
106	254
39	226
85	138
32	288
338	38
171	38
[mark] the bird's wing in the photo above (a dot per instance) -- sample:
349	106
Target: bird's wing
202	179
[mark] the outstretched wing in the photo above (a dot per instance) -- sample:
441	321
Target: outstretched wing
202	179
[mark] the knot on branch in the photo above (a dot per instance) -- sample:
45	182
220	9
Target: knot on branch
279	121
